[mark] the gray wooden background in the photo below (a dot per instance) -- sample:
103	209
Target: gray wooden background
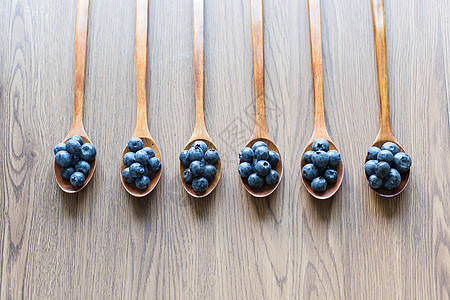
102	243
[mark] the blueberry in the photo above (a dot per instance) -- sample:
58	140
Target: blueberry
254	164
135	144
75	159
370	167
272	178
77	138
246	155
258	144
273	159
212	156
321	144
307	157
154	164
331	176
262	168
127	177
372	153
88	152
63	158
245	169
195	153
197	168
147	171
310	172
320	159
142	182
200	185
83	167
59	147
209	172
187	176
129	158
392	181
137	170
375	182
66	173
255	182
319	184
262	153
402	162
184	158
77	179
334	159
200	144
150	152
73	147
390	146
382	170
141	157
385	155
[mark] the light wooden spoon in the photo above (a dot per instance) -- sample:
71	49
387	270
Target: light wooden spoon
320	129
260	133
200	132
141	130
385	133
77	127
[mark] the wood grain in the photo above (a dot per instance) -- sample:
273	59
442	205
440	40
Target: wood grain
103	243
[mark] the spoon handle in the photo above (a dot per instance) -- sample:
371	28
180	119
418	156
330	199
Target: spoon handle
258	68
199	50
141	67
80	62
317	65
380	45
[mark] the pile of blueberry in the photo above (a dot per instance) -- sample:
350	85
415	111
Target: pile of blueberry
320	165
139	164
75	158
383	166
256	165
200	162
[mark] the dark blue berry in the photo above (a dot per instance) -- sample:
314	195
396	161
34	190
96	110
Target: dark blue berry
375	182
402	162
254	165
390	146
184	158
331	176
370	167
321	145
255	182
154	164
262	168
77	138
245	169
83	167
273	159
385	155
127	177
63	158
75	159
150	152
392	181
209	172
129	158
73	147
59	147
196	168
272	178
246	155
372	153
258	144
137	170
66	173
320	159
77	179
307	157
195	153
262	153
382	170
319	184
187	176
135	144
212	156
310	172
200	144
88	152
200	185
141	157
334	158
142	182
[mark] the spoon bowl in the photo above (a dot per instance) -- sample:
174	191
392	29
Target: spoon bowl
154	177
212	184
65	185
331	190
405	176
266	190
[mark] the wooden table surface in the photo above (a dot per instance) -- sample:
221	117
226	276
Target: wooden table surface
102	243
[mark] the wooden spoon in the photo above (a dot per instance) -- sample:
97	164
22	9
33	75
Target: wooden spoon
385	133
200	132
141	130
77	127
260	133
320	129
